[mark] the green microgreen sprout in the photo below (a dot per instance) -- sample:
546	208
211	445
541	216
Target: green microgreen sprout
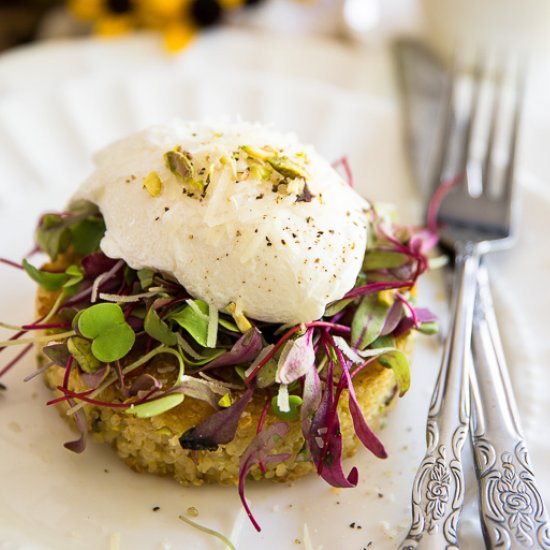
145	277
81	350
155	327
81	227
194	319
112	337
157	406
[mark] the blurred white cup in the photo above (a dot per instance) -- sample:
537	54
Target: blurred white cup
504	24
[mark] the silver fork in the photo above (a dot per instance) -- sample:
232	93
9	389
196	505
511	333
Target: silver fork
512	511
474	222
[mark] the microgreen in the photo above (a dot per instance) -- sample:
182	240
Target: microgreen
74	274
56	232
156	406
145	277
368	321
52	281
53	235
382	259
194	320
217	429
86	235
58	353
112	337
155	327
296	358
81	350
258	452
46	279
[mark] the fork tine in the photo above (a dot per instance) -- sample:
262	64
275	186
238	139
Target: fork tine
439	173
519	92
469	166
497	102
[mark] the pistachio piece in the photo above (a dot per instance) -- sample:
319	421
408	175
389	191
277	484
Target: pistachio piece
81	350
180	164
241	321
259	172
225	401
256	152
296	186
152	183
287	167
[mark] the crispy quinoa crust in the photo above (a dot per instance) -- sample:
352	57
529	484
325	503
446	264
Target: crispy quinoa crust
151	444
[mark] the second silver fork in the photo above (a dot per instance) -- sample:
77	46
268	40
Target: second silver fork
474	222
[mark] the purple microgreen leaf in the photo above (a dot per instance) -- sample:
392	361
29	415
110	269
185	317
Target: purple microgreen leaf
217	429
92	381
405	325
258	452
97	263
156	406
58	353
311	398
296	358
324	441
78	445
395	314
362	430
245	349
424	315
144	383
368	321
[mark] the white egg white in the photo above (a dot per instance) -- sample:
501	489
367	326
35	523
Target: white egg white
239	240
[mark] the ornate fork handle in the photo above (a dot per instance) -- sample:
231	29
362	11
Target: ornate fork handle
438	488
512	511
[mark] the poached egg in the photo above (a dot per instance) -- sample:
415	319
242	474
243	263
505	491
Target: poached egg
239	214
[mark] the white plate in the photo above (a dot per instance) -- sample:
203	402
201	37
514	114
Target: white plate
51	498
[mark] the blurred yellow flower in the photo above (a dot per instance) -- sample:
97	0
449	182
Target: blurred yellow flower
178	20
178	35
